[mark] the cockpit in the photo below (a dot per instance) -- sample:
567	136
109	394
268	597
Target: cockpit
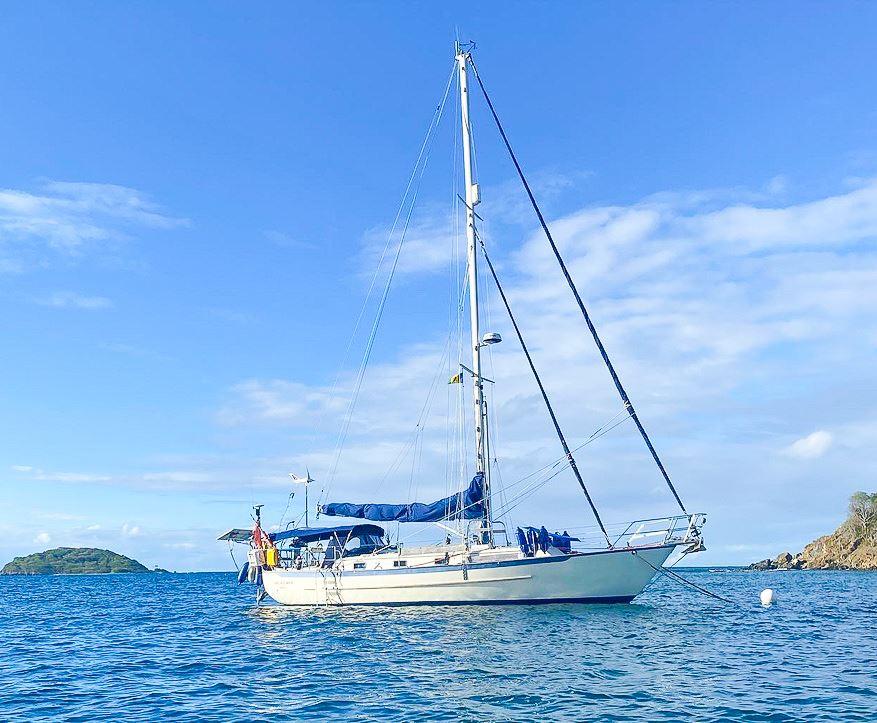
322	547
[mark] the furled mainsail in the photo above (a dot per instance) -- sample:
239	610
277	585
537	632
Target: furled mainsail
466	505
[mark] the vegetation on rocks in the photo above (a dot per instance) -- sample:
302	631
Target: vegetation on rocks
72	561
852	546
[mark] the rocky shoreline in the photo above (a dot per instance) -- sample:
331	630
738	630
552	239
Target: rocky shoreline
852	546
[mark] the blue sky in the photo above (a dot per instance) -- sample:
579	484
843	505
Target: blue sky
190	204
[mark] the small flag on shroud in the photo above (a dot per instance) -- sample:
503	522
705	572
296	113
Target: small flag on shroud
456	379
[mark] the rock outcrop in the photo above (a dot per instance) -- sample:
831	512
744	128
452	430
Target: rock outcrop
852	546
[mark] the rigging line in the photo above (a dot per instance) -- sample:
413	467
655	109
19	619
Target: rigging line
528	491
422	418
382	304
286	509
535	486
424	149
231	552
453	283
622	393
557	429
539	483
380	264
681	580
420	425
599	432
518	499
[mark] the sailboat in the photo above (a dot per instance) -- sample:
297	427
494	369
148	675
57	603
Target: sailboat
480	561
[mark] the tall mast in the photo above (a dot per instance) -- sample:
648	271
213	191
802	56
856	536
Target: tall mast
473	197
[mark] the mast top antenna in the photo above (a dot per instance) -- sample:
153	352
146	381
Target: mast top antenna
464	48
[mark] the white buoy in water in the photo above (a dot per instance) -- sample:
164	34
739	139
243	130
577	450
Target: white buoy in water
767	597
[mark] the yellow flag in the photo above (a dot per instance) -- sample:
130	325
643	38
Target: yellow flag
456	379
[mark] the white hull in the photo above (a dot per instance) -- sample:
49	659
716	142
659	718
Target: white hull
609	576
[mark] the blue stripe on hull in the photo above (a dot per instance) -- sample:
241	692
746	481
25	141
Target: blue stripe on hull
615	599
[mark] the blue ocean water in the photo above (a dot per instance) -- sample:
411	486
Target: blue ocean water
196	647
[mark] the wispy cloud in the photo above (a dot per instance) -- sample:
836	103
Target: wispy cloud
219	474
72	300
824	223
729	315
274	401
35	473
70	218
426	247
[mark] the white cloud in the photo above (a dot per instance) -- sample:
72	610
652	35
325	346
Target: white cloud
43	538
129	530
728	317
213	473
426	247
827	222
72	477
812	446
729	321
70	218
72	300
428	244
36	473
275	401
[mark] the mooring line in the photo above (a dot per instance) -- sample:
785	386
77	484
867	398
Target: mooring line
678	578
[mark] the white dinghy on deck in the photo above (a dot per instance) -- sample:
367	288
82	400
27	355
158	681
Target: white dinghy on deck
358	564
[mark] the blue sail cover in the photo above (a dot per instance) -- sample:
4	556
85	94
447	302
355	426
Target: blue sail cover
467	506
313	534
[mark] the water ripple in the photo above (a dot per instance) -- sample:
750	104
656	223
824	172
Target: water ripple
196	648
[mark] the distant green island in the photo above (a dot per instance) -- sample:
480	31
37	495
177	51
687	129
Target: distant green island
73	561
